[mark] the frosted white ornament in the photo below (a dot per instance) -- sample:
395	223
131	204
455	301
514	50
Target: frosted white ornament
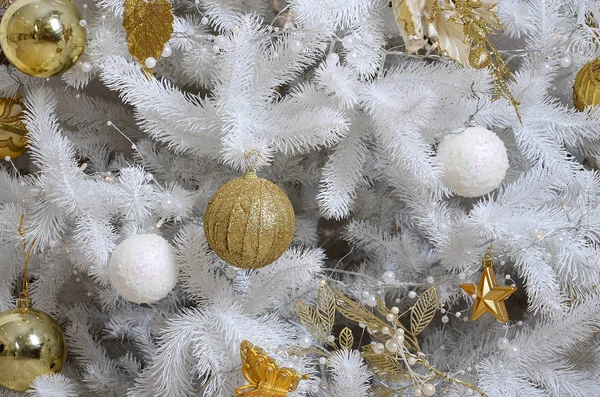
143	269
474	161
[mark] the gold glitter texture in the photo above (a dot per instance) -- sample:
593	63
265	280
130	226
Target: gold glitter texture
585	89
249	222
149	26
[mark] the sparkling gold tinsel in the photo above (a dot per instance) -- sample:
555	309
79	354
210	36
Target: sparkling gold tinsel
31	344
249	222
149	25
12	129
489	296
586	90
266	377
42	38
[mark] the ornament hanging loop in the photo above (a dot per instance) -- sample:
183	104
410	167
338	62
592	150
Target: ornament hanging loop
254	159
488	261
27	252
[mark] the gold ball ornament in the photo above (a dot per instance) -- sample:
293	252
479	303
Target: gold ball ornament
31	344
249	222
12	129
42	38
586	89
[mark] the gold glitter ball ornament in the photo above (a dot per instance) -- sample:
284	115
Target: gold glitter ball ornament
42	38
586	90
31	344
249	222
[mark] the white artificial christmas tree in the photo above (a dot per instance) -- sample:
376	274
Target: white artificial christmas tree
324	99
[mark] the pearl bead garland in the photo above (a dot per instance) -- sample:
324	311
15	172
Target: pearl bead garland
296	46
86	67
333	58
150	62
348	42
388	277
428	389
513	351
391	346
166	52
305	342
502	343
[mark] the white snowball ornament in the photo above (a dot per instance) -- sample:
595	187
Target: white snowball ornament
143	268
475	161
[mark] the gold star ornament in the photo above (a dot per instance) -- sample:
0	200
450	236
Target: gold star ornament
489	296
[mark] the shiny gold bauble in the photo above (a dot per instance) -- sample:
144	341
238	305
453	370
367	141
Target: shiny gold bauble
31	344
249	222
12	129
42	38
586	90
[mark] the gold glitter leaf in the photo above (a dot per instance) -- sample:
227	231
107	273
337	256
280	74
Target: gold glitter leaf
382	391
346	338
423	311
386	366
149	25
326	307
356	312
309	317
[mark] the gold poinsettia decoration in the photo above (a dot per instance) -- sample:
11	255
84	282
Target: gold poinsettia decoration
460	29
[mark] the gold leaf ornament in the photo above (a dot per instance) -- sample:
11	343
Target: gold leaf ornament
423	311
346	338
149	26
264	375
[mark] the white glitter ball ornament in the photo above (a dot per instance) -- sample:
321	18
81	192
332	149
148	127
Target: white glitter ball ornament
143	268
475	161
